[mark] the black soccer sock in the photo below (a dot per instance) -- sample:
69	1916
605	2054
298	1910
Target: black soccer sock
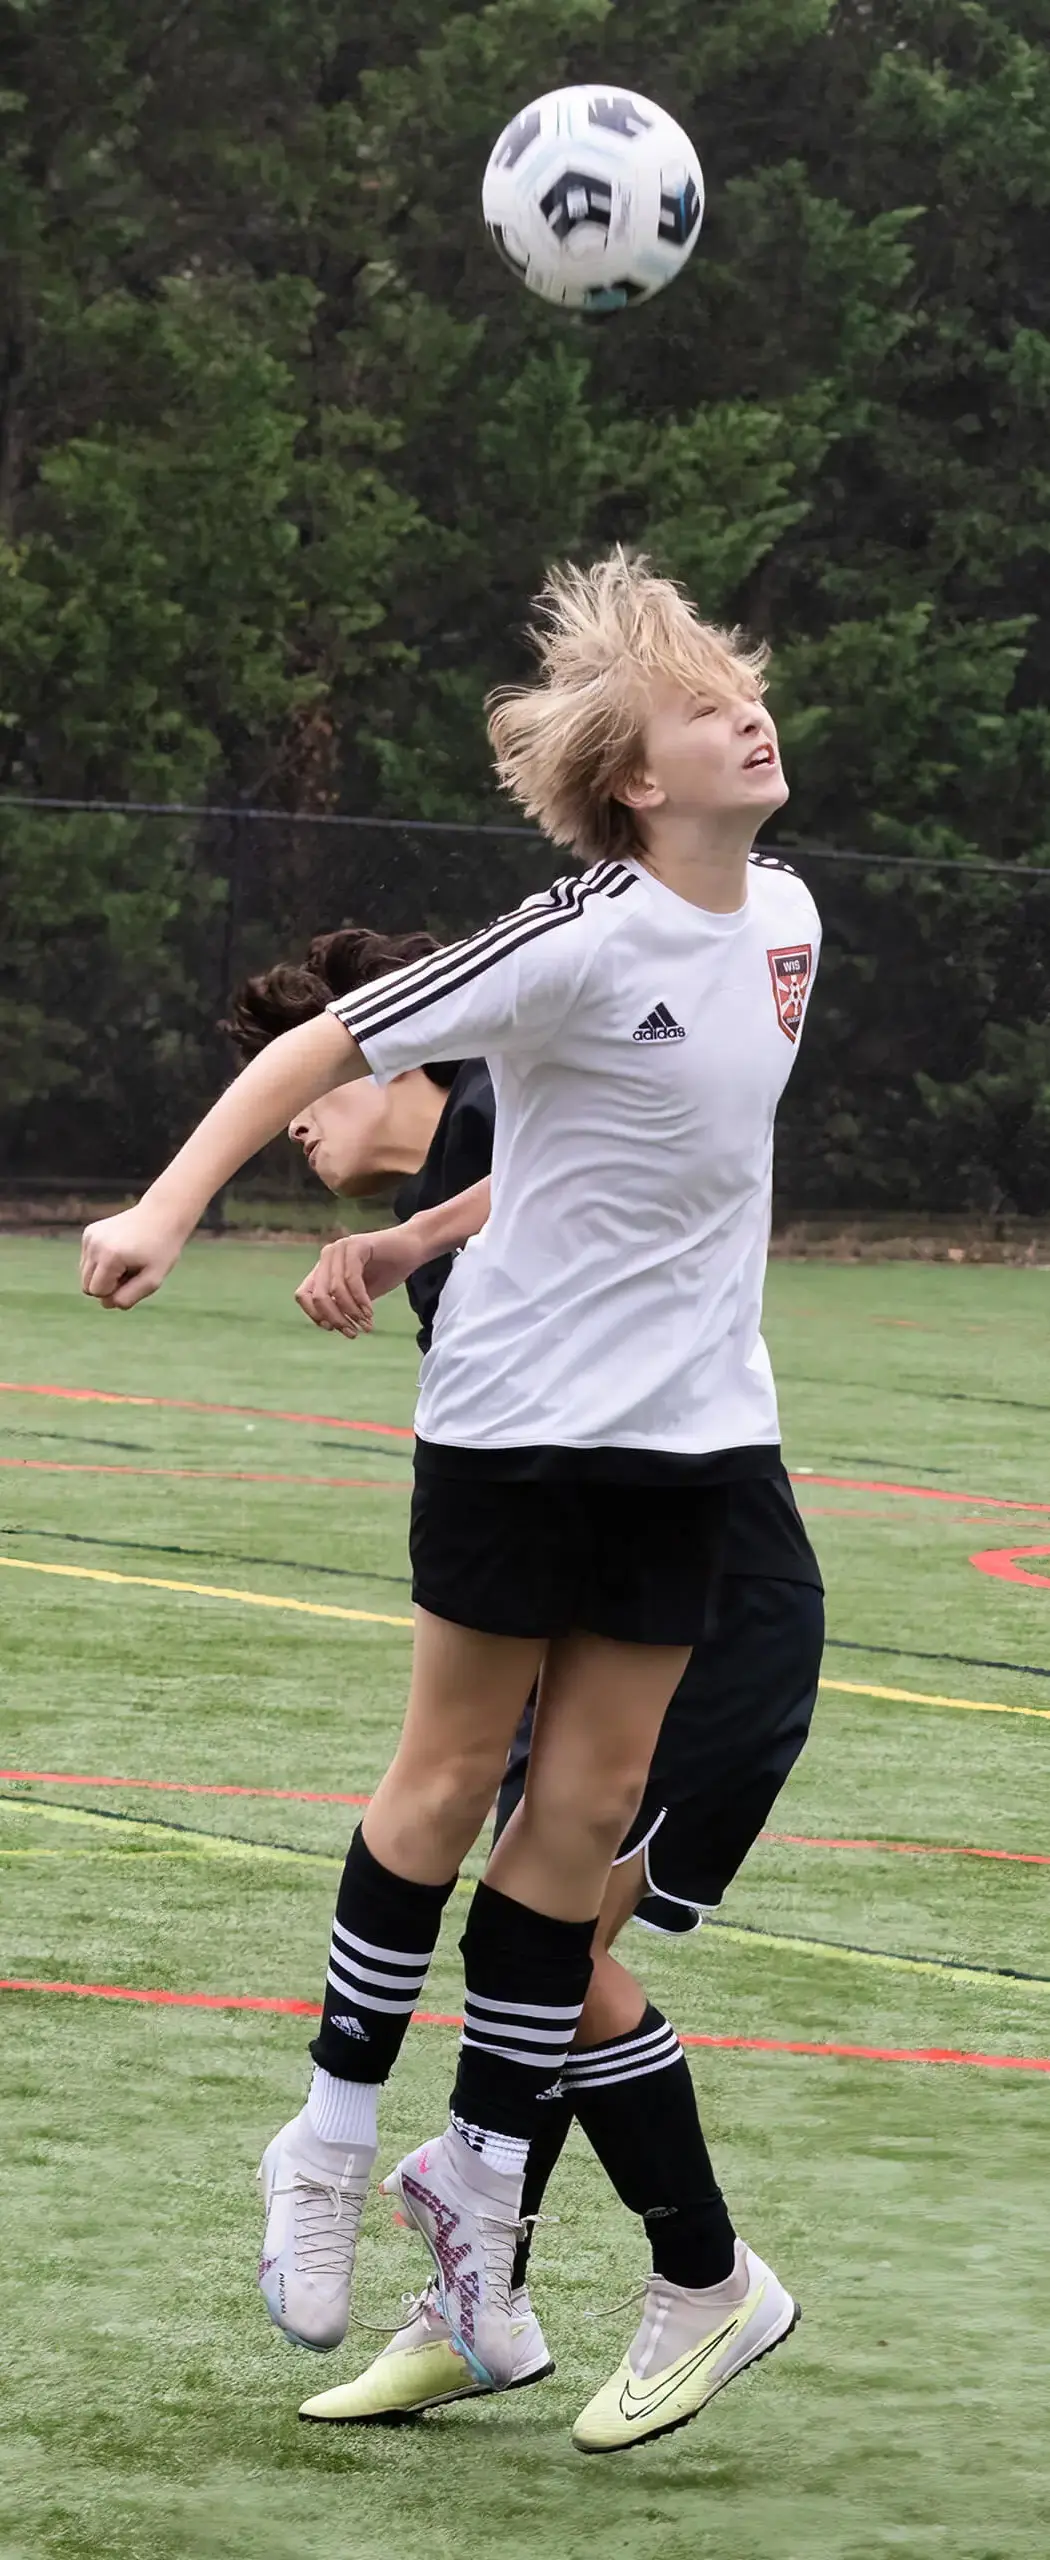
383	1936
635	2101
526	1983
545	2150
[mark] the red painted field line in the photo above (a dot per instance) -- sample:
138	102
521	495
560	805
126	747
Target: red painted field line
178	1787
429	2018
399	1431
171	1999
393	1484
870	2052
846	1511
904	1848
313	1795
356	1484
215	1475
1002	1564
190	1404
919	1492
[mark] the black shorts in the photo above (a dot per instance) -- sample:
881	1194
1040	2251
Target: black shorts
730	1738
638	1563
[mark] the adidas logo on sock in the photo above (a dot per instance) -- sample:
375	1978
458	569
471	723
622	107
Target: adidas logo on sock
350	2027
660	1024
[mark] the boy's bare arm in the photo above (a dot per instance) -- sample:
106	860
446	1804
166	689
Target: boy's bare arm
349	1274
126	1258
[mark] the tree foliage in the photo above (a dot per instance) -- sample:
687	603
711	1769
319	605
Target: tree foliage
283	452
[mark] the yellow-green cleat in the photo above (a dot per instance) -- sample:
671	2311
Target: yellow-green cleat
420	2369
688	2346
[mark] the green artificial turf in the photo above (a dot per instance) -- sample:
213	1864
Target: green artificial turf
148	2410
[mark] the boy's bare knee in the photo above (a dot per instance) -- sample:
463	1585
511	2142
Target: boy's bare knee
602	1812
457	1796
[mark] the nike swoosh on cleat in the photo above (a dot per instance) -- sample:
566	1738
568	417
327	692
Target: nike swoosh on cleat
633	2409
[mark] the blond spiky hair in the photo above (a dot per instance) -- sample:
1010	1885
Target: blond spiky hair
566	745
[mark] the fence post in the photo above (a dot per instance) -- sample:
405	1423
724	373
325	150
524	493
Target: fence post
214	1219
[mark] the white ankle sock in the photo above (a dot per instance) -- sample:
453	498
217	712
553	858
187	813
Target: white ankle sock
343	2110
502	2151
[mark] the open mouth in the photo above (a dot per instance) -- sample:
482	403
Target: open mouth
763	755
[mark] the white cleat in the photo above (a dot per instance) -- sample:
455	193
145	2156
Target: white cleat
419	2369
313	2192
471	2230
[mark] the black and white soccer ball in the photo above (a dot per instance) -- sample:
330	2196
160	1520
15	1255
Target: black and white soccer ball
594	197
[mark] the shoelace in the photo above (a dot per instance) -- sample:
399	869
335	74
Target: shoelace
640	2294
412	2304
606	2310
499	2243
326	2227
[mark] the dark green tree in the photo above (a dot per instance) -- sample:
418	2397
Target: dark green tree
283	452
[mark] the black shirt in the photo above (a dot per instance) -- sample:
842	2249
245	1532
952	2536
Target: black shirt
460	1154
766	1536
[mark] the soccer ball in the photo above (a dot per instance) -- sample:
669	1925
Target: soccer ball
594	197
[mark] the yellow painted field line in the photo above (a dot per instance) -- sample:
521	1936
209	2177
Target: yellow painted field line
126	1854
714	1928
924	1698
204	1591
985	1976
202	1845
222	1847
379	1618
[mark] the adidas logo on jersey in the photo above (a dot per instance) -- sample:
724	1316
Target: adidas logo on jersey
350	2027
660	1024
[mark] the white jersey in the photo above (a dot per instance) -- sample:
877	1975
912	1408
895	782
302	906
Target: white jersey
638	1046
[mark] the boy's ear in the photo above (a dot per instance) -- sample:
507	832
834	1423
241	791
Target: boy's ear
640	791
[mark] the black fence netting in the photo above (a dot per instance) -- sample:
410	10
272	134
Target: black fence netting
923	1084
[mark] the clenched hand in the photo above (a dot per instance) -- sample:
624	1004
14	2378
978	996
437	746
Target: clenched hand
125	1258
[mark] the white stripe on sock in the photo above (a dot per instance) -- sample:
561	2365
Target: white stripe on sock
374	1974
528	2048
625	2045
600	2066
348	1991
612	2079
522	2035
545	2064
386	1955
521	2008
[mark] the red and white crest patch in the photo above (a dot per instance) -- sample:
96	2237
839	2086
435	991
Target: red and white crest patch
791	971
